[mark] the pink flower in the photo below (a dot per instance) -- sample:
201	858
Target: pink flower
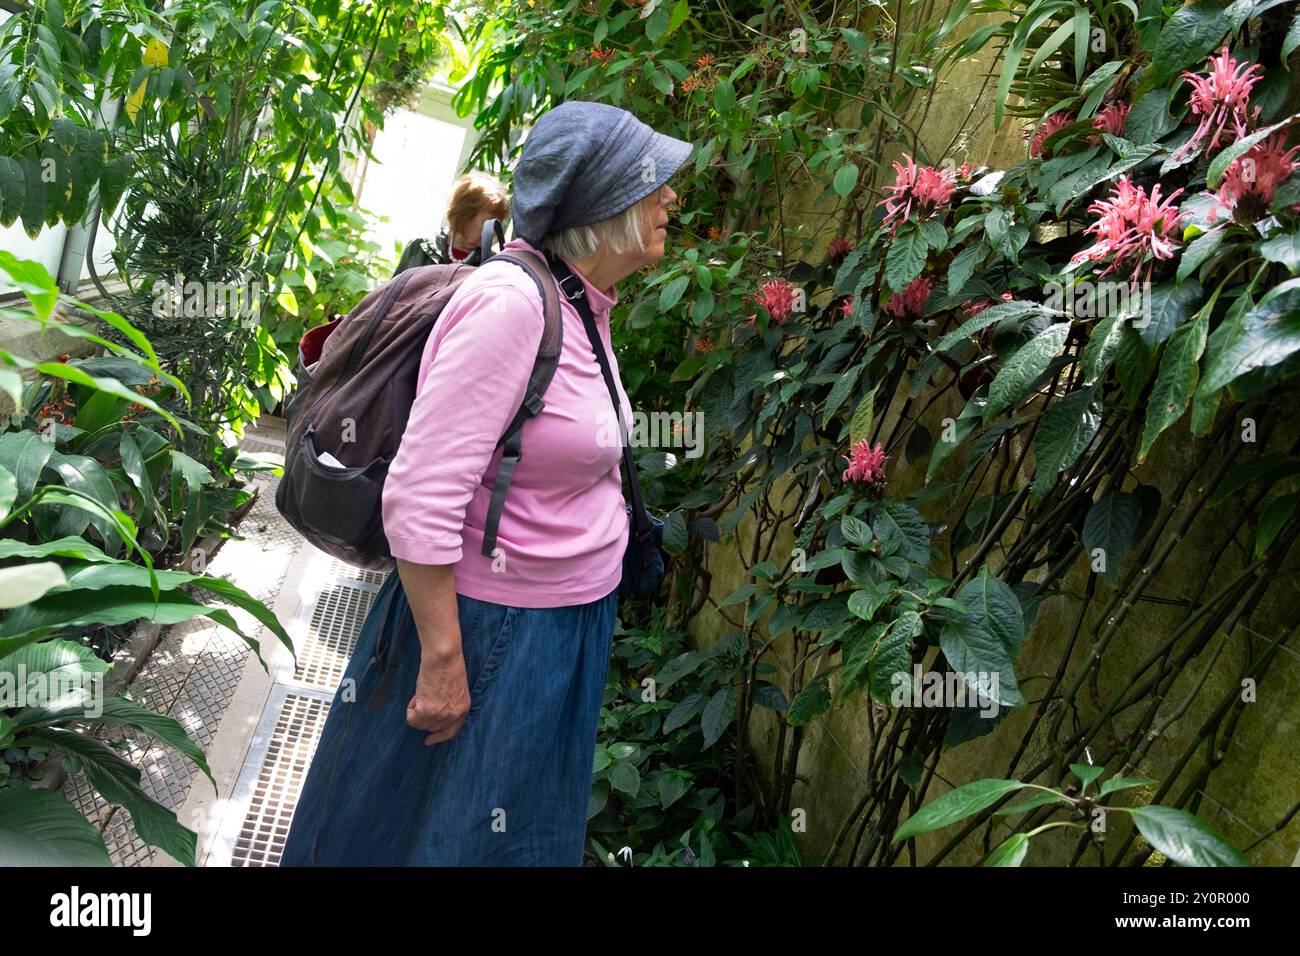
1220	98
839	248
975	308
908	303
917	189
965	171
1048	127
1131	225
777	296
847	307
1110	120
1250	181
867	465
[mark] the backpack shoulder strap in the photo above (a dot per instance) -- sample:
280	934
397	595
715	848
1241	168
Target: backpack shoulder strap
548	357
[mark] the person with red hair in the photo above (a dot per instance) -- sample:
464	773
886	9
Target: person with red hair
476	198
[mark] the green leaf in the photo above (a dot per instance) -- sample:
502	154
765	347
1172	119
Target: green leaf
1103	343
1266	469
856	531
686	709
1010	852
13	190
897	521
860	423
1002	311
1272	521
1111	525
672	293
671	789
893	655
1176	382
1022	369
812	701
1184	839
625	777
718	715
112	605
195	475
24	454
1267	335
986	639
962	267
87	476
1039	798
1064	432
69	547
1149	119
1087	773
1124	783
118	782
1199	250
846	177
28	582
1292	39
1166	308
8	491
1134	363
905	258
41	828
1187	37
1284	249
956	805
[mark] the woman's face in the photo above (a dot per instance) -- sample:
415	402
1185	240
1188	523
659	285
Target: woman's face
655	219
474	231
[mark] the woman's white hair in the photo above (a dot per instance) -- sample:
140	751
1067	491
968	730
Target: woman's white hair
622	233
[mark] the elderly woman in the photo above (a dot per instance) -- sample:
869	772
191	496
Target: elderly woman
475	198
481	753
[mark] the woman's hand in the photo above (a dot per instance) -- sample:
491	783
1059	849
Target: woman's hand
441	700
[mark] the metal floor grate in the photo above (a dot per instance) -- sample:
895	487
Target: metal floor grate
345	572
274	794
336	620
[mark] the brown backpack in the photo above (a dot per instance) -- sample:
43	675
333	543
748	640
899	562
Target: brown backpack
357	378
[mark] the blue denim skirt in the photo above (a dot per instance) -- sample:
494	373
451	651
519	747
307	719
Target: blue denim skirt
510	789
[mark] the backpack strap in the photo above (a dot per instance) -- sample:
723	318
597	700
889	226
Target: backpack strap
490	228
572	288
548	357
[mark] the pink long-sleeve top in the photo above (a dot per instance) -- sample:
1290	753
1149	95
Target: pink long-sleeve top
564	527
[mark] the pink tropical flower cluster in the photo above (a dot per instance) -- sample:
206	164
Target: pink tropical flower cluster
1110	120
1048	127
777	296
1221	99
1130	226
867	465
839	248
1250	181
918	192
908	303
